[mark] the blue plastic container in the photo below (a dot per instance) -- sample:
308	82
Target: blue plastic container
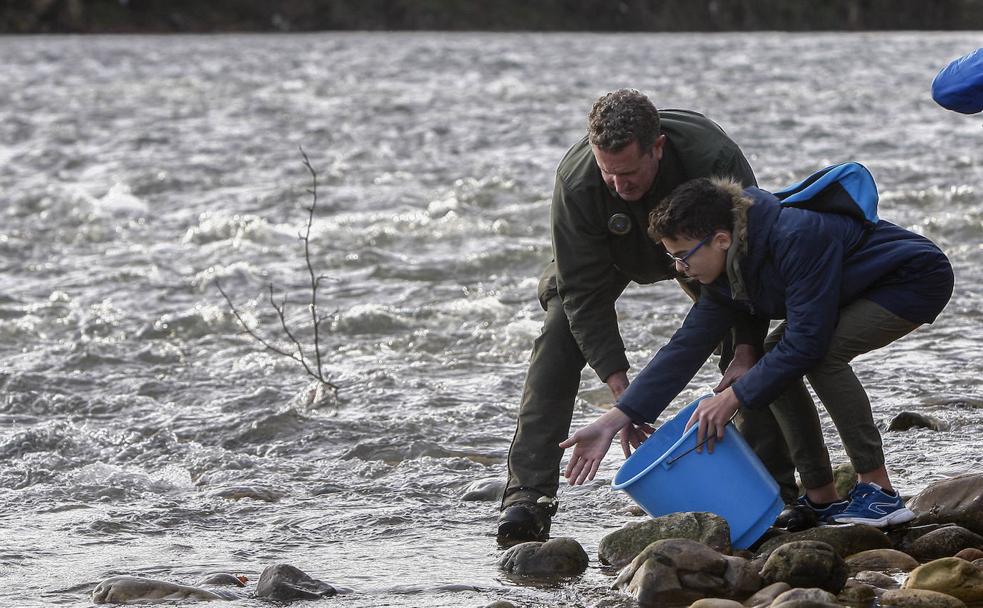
730	482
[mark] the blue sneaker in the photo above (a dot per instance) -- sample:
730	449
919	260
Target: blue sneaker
824	512
871	505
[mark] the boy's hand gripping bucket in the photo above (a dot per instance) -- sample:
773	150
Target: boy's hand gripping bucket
731	482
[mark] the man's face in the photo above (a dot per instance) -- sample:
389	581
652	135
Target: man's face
701	259
630	171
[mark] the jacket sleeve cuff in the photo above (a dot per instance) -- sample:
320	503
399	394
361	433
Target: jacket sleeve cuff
614	361
636	417
742	395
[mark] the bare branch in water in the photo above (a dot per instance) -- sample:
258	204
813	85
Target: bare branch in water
280	308
315	318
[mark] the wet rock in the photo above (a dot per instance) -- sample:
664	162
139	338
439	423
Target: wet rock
904	536
766	596
127	589
857	593
978	563
876	579
913	420
680	571
881	560
844	477
619	548
845	540
805	598
806	563
716	603
224	578
485	490
284	583
970	555
950	575
957	500
945	542
918	598
556	557
250	492
500	604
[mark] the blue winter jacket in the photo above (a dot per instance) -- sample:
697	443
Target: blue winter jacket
801	266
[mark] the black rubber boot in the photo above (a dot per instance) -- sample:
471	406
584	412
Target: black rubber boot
796	517
527	521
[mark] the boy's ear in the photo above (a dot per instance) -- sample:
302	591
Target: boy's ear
723	239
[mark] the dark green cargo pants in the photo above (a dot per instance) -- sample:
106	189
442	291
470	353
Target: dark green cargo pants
546	411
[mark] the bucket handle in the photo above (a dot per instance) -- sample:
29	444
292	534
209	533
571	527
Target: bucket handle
670	461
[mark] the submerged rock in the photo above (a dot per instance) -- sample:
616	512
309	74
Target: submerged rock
911	420
224	578
970	555
485	490
950	575
556	557
806	563
129	589
678	571
283	582
716	602
957	500
620	547
245	491
945	542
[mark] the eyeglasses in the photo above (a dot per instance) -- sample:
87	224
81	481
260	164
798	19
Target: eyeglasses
682	261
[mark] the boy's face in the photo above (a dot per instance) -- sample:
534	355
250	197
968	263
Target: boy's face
701	259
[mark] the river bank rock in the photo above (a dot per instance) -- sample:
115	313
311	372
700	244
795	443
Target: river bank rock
945	542
805	598
881	560
949	575
913	420
678	571
716	602
620	547
919	598
767	595
970	555
129	589
284	583
806	563
904	536
857	593
957	500
556	557
246	491
846	539
876	579
844	478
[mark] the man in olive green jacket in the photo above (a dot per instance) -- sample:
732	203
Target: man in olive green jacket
631	158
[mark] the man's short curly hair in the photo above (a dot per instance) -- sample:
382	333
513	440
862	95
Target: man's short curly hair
621	117
695	209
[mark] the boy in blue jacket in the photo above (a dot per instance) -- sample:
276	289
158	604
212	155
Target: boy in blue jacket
842	288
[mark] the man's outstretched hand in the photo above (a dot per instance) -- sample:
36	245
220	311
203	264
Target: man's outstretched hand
590	444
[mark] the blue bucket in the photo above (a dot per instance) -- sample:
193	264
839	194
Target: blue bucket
731	482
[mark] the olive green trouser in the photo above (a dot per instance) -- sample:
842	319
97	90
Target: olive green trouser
863	326
546	411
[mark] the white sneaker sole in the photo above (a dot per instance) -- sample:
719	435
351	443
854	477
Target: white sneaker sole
902	515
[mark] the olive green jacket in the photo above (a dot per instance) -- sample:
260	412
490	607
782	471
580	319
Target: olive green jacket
592	265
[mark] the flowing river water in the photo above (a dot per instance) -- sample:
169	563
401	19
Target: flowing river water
137	170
